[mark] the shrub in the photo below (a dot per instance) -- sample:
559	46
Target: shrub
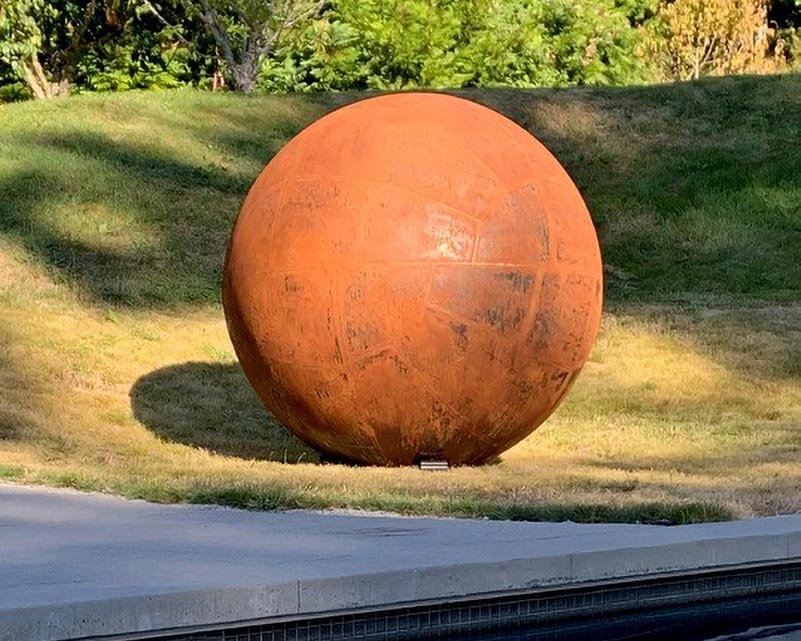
107	45
395	44
693	38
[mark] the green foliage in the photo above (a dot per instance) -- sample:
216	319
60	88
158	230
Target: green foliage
23	41
12	90
105	45
146	56
11	87
790	38
246	32
399	44
121	71
593	42
48	48
20	35
785	16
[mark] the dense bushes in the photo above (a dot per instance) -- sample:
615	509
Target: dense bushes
360	44
692	38
391	44
47	48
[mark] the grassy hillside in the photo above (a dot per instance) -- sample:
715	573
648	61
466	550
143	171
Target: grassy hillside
116	373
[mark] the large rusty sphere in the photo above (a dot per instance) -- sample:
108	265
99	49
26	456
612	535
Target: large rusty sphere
413	276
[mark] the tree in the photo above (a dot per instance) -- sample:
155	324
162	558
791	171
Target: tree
247	31
21	43
47	43
712	37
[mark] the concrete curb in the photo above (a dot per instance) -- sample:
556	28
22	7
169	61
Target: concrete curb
236	569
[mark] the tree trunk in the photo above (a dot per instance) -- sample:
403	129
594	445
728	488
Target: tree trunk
30	77
259	38
40	84
245	72
244	77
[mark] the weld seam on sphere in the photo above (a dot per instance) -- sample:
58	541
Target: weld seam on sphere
413	276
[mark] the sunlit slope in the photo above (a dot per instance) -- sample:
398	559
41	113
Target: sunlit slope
116	372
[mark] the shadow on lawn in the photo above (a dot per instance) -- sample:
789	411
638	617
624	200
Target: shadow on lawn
694	188
212	406
76	200
180	263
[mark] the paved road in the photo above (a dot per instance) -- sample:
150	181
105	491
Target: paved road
82	564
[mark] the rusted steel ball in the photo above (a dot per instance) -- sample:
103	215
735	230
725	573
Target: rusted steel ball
413	276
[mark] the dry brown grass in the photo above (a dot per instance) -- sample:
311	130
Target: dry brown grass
675	407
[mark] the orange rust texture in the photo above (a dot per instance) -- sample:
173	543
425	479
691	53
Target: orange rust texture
413	275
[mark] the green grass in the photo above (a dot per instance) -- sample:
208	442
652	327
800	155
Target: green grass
116	373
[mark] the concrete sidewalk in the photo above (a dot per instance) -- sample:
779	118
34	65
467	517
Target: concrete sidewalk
75	565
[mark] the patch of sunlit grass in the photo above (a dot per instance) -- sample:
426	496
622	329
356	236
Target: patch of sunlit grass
654	421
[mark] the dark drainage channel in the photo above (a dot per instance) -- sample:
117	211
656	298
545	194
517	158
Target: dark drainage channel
701	605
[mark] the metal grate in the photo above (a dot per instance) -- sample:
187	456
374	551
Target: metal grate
549	612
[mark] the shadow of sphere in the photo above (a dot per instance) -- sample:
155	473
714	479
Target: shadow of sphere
212	406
